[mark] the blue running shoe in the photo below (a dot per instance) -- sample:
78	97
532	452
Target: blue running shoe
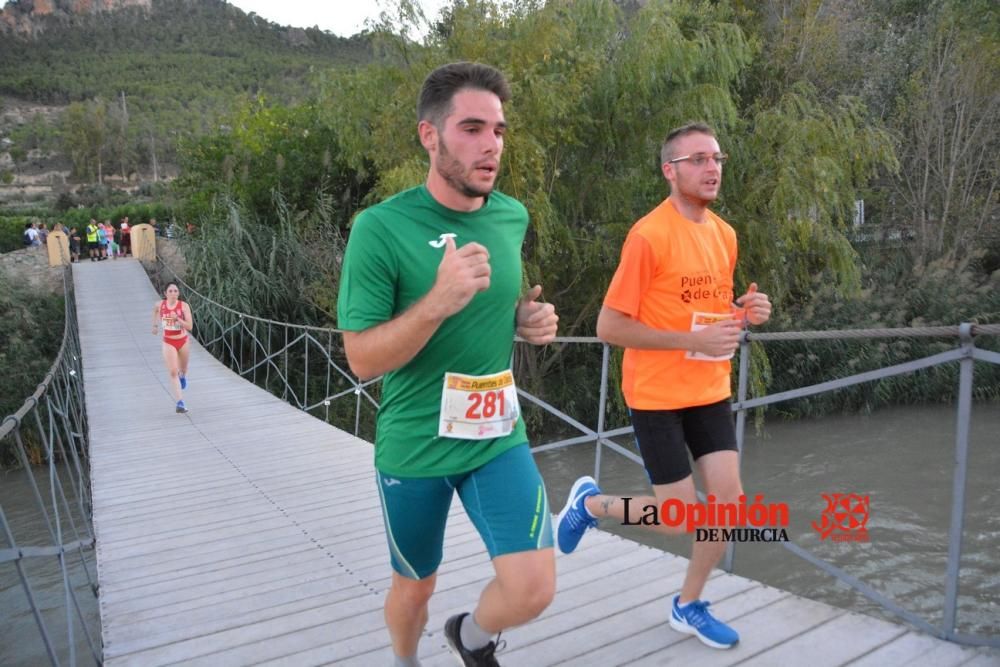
180	408
574	520
184	382
695	619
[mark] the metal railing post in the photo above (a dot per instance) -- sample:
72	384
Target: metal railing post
329	354
742	382
602	408
966	367
267	355
243	343
233	349
284	353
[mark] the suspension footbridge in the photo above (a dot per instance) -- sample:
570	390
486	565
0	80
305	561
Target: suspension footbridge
249	532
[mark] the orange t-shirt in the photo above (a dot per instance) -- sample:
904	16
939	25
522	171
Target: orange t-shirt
672	269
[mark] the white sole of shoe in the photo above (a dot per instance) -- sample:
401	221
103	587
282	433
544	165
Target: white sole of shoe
686	629
455	653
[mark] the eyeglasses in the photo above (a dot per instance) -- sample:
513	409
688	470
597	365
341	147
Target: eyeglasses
700	159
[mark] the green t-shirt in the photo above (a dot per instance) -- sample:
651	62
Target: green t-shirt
390	263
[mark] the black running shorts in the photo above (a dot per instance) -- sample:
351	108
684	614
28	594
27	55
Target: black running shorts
663	434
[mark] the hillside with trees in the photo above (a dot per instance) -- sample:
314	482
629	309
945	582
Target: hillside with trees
134	82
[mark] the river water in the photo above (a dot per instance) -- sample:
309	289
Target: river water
902	458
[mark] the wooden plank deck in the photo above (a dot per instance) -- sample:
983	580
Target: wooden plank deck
247	532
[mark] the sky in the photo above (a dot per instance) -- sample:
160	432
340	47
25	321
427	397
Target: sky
341	17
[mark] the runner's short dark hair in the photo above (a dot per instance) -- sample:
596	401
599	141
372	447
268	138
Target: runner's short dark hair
440	86
667	149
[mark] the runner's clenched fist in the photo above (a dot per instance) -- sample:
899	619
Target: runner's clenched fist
462	273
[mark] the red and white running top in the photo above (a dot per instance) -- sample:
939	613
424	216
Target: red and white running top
168	317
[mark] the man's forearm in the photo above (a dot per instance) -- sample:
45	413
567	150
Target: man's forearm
643	337
623	331
393	344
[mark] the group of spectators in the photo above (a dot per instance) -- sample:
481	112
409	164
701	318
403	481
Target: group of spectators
104	240
35	234
100	240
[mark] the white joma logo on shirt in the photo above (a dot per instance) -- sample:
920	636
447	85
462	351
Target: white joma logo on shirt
441	241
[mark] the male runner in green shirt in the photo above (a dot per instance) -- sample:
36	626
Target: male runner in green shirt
429	299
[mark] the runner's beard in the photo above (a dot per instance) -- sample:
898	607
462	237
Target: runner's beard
456	175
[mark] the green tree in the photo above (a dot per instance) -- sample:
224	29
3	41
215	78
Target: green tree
949	131
929	73
36	134
120	149
85	138
797	170
265	151
181	65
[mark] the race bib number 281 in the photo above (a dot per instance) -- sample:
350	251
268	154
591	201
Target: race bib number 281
478	407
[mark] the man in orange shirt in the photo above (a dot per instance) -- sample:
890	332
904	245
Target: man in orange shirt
670	305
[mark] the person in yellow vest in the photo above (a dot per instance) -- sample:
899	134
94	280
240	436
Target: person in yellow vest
93	245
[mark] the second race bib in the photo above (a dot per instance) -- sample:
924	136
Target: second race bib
701	320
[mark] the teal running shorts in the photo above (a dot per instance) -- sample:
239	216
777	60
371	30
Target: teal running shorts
505	499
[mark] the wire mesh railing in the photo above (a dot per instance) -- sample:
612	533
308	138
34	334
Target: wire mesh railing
306	366
45	521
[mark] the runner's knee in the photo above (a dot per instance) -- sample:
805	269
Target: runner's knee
539	598
728	494
412	593
531	592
